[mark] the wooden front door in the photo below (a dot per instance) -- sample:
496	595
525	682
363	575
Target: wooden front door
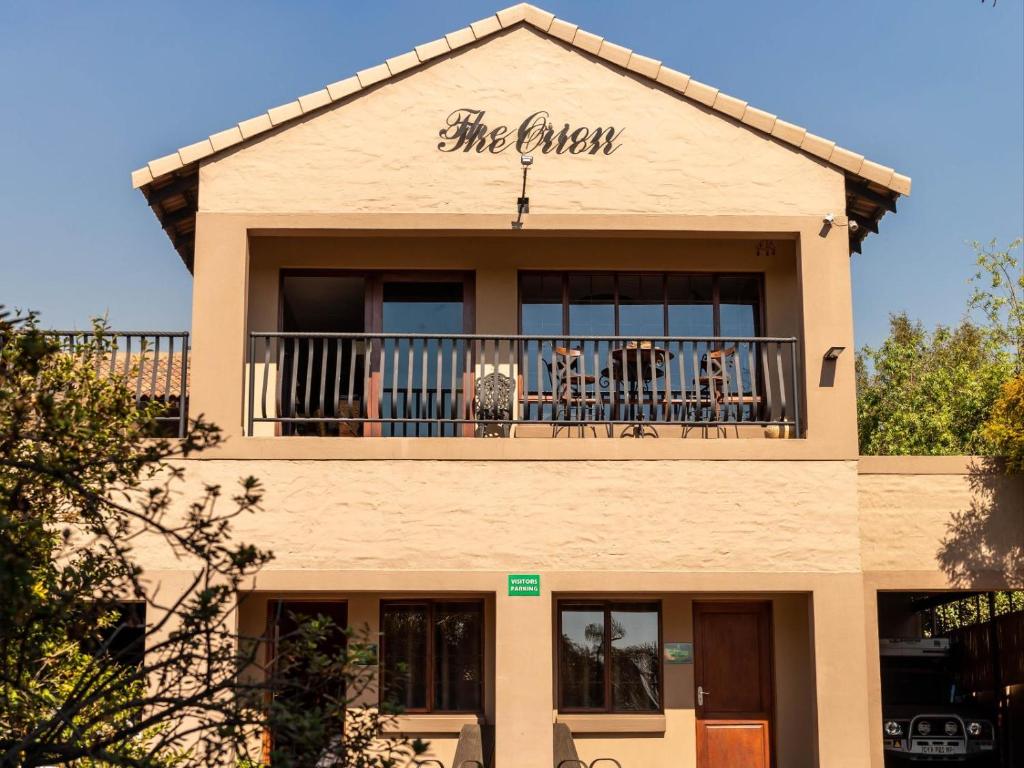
733	679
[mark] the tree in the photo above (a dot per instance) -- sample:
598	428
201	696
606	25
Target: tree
929	393
1005	426
999	295
82	484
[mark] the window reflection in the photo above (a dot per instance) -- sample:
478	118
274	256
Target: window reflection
610	657
635	660
581	659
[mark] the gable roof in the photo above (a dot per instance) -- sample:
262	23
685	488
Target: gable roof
170	183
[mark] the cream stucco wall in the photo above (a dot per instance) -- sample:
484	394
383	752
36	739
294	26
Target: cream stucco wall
377	152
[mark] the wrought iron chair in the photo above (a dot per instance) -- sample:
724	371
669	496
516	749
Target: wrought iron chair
575	404
494	404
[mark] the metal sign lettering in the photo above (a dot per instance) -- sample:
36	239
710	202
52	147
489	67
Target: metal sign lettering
466	131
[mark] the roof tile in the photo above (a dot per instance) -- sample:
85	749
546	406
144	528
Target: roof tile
225	139
616	54
165	164
759	119
254	126
587	41
485	26
817	146
673	79
397	64
701	92
643	65
563	30
511	15
197	151
284	113
876	172
844	158
432	50
460	37
368	77
141	177
538	17
314	100
900	183
343	88
789	133
730	106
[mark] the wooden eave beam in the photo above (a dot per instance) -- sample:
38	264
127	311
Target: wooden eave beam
863	191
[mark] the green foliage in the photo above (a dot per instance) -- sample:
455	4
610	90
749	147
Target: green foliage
933	392
929	393
1004	429
999	295
82	485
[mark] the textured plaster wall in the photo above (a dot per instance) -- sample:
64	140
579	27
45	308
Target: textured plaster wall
966	529
378	152
486	516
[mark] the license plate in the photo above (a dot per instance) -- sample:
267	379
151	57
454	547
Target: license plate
938	750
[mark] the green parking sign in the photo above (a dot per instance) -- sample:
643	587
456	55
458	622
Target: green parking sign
523	585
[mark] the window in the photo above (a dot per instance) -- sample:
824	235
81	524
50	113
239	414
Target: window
294	684
640	304
609	657
432	657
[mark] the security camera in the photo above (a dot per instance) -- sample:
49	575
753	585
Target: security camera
853	225
829	218
526	160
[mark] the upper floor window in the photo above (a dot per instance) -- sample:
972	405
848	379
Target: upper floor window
637	304
432	655
609	657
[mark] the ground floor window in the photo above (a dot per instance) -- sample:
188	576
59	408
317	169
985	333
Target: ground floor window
609	657
432	655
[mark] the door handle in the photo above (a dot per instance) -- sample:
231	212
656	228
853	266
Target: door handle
701	693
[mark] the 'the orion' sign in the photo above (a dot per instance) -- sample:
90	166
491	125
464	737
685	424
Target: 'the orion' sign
466	131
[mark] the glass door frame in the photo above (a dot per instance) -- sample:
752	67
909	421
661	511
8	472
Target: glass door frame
373	317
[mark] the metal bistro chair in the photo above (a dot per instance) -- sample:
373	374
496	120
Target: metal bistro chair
575	404
493	404
719	389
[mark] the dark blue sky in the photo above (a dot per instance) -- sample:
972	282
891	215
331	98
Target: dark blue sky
93	90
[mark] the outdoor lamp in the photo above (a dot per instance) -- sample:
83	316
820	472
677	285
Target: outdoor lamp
833	353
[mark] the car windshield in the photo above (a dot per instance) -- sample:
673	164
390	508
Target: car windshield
916	683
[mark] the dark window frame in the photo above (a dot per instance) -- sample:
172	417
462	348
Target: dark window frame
759	315
430	604
607	606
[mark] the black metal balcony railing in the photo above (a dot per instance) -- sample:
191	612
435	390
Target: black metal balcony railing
153	364
414	385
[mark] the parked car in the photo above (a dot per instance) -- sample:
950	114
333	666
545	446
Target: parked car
925	717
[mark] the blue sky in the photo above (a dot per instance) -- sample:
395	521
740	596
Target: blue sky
93	90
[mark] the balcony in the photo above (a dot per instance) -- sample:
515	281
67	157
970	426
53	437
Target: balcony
468	385
153	365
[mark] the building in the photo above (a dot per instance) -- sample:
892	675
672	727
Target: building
530	335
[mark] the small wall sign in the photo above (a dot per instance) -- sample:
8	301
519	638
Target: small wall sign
523	585
466	131
679	653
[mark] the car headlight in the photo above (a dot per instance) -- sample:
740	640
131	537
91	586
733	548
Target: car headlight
974	729
924	727
892	728
950	727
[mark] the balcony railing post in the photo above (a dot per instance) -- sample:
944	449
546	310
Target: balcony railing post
183	388
796	387
252	385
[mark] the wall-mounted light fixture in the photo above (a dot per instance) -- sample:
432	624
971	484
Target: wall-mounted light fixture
833	353
523	203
